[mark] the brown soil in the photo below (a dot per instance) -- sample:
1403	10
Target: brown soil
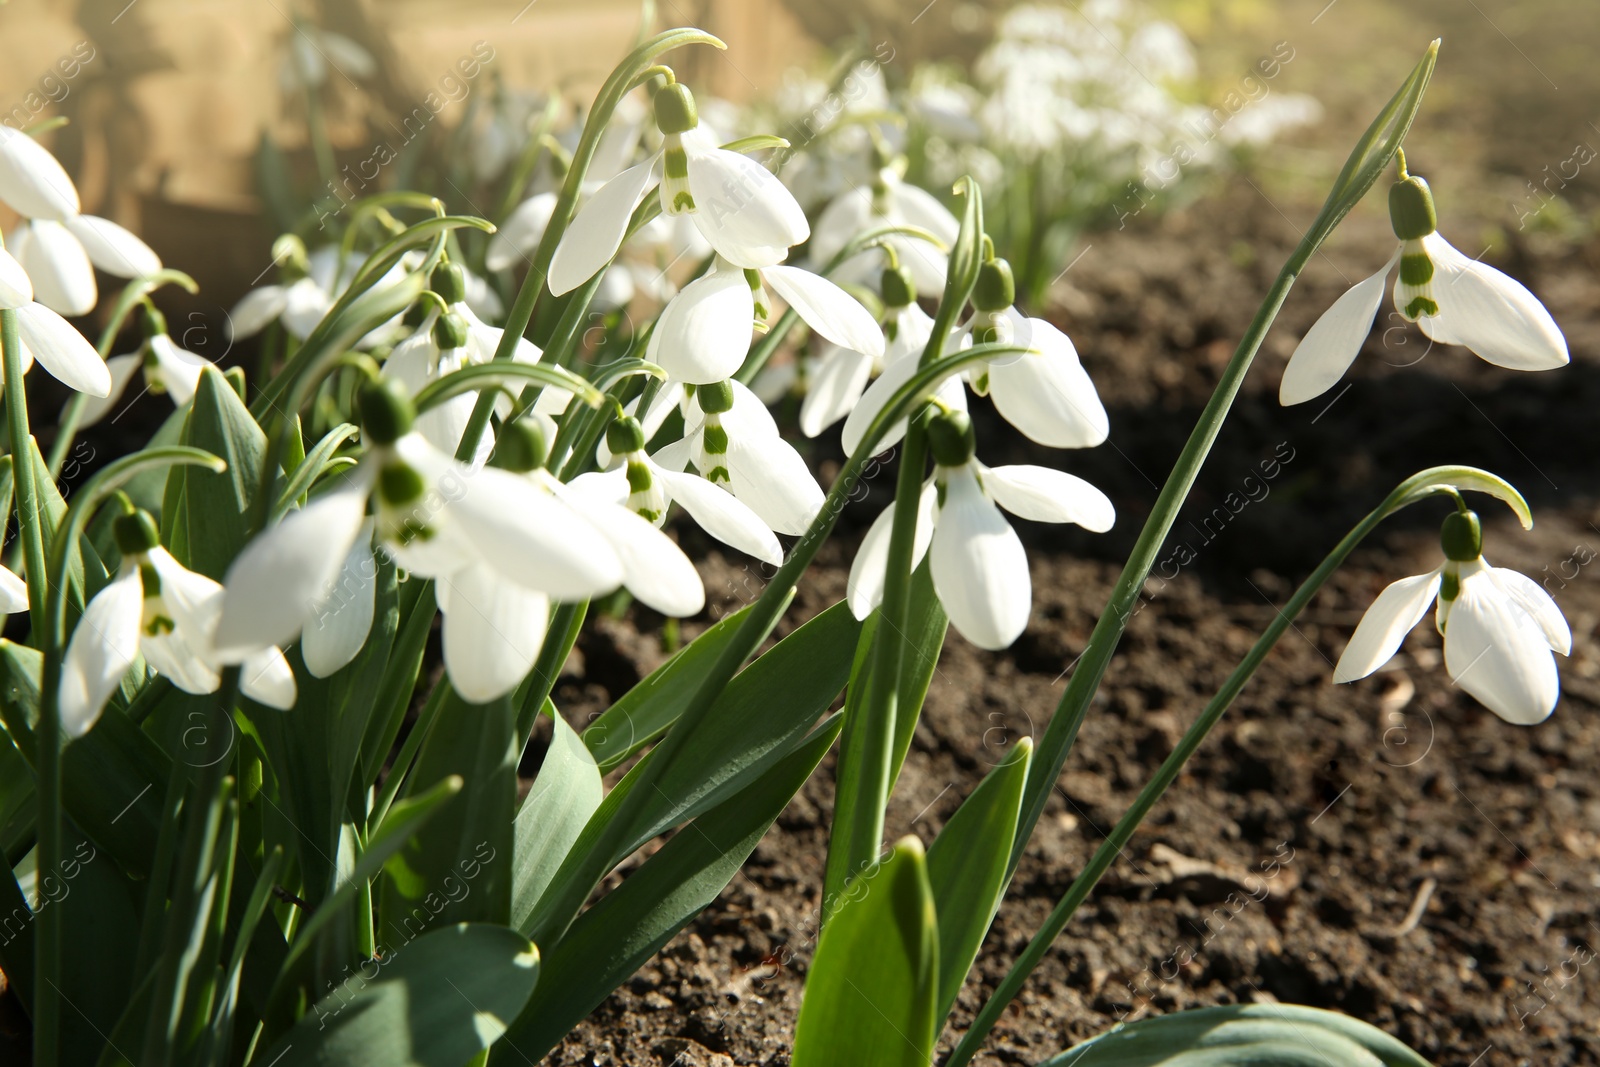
1389	849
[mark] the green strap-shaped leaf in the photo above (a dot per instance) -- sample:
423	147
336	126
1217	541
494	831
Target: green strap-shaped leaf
566	793
613	939
967	867
642	713
1242	1035
206	515
435	1002
871	993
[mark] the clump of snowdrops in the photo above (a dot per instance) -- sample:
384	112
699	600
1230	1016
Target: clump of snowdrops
229	845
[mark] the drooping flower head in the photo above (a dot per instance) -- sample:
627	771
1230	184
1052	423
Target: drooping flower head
167	368
1500	627
1453	299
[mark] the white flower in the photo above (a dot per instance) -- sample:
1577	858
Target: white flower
157	607
62	349
1453	299
740	207
60	257
703	335
434	516
13	593
839	375
1500	629
649	488
32	182
1044	392
979	568
302	303
889	201
167	369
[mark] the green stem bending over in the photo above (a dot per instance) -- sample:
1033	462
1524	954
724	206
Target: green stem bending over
1436	481
1367	162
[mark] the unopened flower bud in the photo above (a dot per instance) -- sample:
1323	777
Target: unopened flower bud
386	411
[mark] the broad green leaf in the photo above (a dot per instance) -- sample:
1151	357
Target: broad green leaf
458	868
112	778
1242	1035
566	793
436	1001
644	712
614	938
99	940
967	867
766	709
871	992
205	515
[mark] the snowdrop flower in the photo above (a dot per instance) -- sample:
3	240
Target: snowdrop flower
1500	628
446	342
740	207
1453	299
61	348
167	369
839	375
157	607
13	593
493	629
312	50
518	239
649	488
316	281
888	201
703	334
435	517
56	244
733	442
979	569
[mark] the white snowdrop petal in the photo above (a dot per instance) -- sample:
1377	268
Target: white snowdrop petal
194	600
721	514
113	248
610	486
304	305
1490	312
1047	394
13	593
531	538
63	277
1043	494
597	230
1332	343
654	568
285	574
826	308
703	334
103	647
741	207
492	632
867	570
1532	598
878	394
15	287
122	369
772	478
335	632
518	237
32	181
979	568
177	656
1384	626
267	679
837	381
1497	652
255	310
180	369
62	350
